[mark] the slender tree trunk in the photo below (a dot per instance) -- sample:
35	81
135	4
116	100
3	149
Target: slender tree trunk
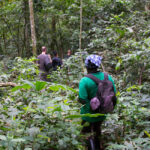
27	51
61	52
61	47
4	39
54	42
33	36
147	8
19	38
80	37
1	46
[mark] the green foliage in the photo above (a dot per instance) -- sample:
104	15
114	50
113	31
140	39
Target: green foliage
35	118
40	115
130	122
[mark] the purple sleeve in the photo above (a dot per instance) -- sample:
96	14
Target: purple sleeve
47	60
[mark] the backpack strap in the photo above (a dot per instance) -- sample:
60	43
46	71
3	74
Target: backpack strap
96	80
105	76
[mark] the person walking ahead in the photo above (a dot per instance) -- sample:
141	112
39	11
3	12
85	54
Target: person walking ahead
87	90
45	63
56	61
68	54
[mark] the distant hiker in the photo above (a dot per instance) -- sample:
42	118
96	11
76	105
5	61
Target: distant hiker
45	63
68	54
56	61
88	90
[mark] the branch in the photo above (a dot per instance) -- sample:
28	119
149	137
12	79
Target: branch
8	84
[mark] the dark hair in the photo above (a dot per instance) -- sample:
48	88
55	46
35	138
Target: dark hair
55	53
91	65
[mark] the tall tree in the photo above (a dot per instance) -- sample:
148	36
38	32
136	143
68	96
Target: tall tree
33	36
53	26
26	38
80	37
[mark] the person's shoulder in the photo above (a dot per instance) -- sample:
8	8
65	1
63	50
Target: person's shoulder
39	56
104	75
84	80
109	76
59	58
101	73
54	58
45	55
42	56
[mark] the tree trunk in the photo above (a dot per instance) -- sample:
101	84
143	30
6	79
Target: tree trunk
147	8
80	37
1	47
27	51
33	36
19	38
61	46
54	42
4	39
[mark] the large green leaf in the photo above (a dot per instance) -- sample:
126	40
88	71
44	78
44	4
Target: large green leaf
39	85
24	86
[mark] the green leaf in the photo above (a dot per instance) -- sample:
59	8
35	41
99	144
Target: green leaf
58	108
39	85
24	86
134	87
18	140
84	115
71	89
61	142
29	83
118	65
63	87
147	133
2	137
57	87
28	149
29	109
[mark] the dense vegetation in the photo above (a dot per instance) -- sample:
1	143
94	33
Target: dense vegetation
36	115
